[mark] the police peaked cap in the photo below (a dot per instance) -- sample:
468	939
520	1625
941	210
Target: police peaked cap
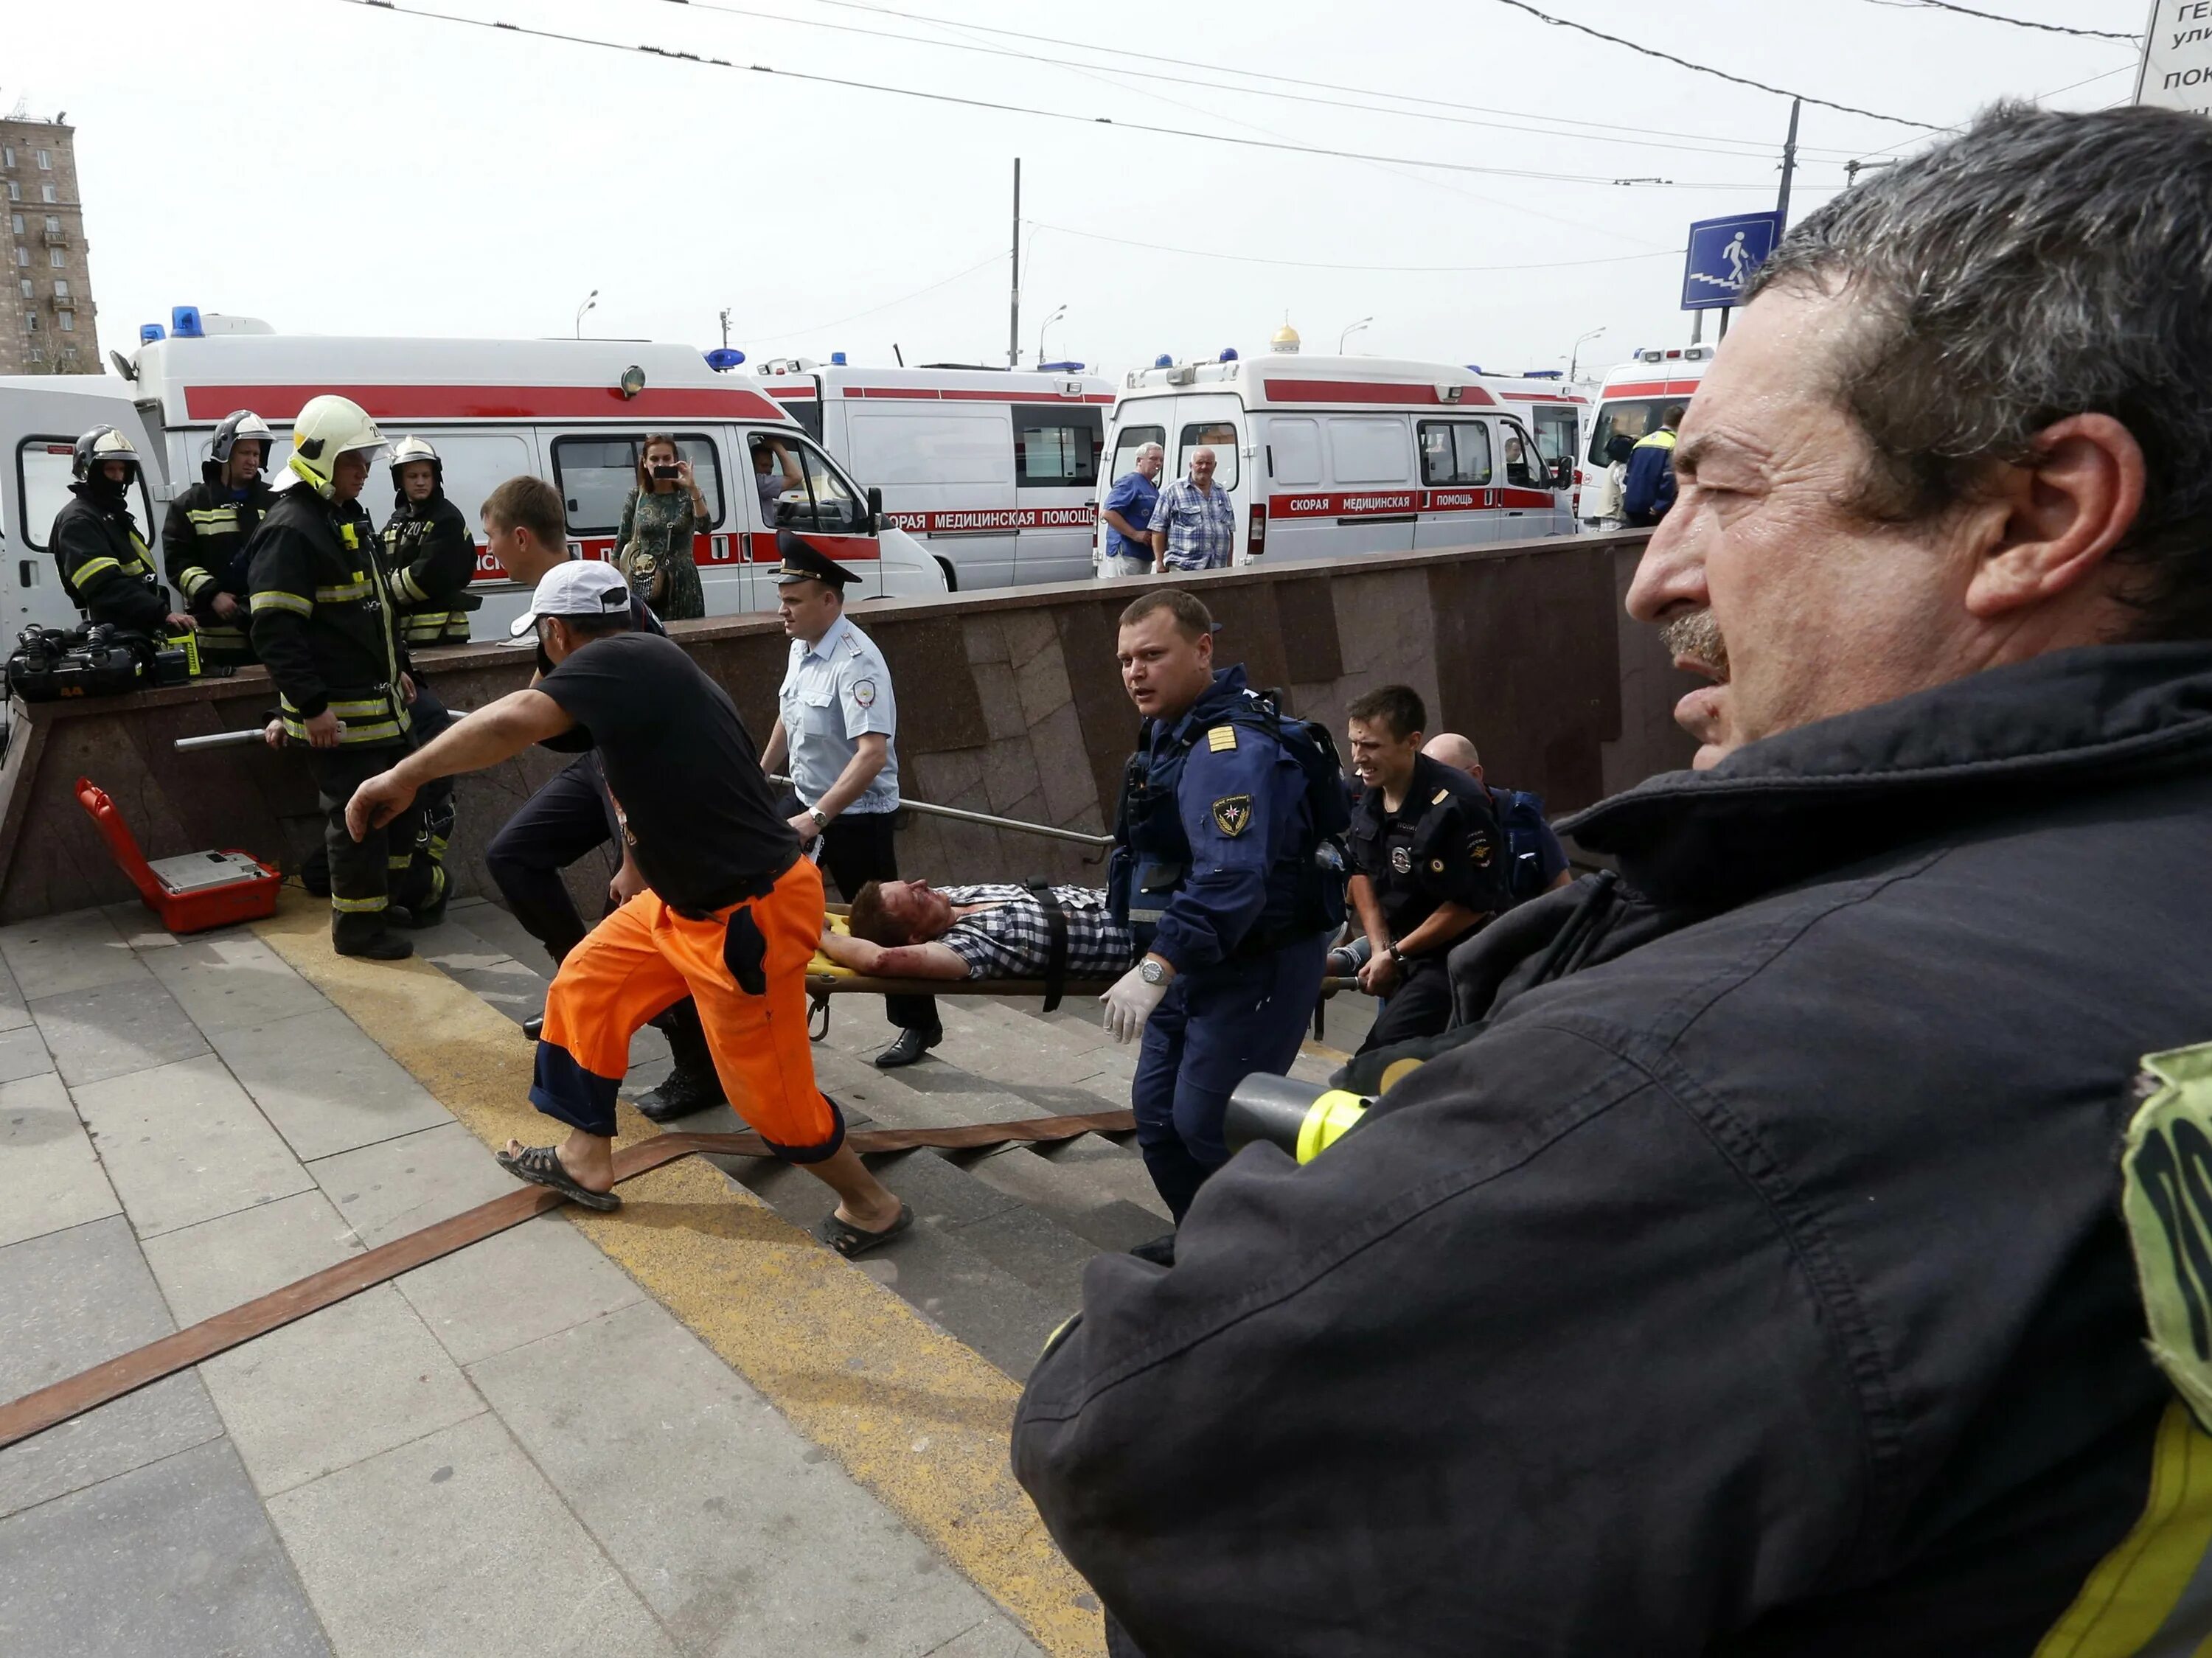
803	564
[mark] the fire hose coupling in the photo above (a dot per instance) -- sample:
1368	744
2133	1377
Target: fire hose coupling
1303	1119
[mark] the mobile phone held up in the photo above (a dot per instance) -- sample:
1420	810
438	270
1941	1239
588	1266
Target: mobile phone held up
666	470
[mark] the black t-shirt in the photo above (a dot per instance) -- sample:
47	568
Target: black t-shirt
695	808
1443	845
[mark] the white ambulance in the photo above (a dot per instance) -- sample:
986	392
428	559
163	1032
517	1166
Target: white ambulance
1328	456
576	412
994	471
1555	412
1635	397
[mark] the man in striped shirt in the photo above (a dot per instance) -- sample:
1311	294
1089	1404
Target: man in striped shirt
911	930
1194	525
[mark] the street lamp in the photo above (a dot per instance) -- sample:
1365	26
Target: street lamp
1574	356
1349	332
590	303
1041	326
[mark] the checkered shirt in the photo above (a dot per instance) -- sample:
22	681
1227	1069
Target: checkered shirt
1012	939
1202	528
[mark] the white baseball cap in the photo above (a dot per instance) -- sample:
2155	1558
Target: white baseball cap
581	587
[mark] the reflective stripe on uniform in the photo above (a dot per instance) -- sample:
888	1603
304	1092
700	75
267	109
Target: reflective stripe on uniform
194	579
356	906
402	583
340	595
272	599
2152	1595
213	520
356	732
368	708
93	566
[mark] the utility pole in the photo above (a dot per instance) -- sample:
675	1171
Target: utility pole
726	328
1789	164
1014	308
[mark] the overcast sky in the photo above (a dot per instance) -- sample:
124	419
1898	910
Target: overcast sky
337	169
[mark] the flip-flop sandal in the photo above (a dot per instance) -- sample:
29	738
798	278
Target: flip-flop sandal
541	1166
848	1240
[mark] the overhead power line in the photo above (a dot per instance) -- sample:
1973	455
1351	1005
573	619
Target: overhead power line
1639	138
1147	65
1315	265
874	310
1707	69
2017	23
704	61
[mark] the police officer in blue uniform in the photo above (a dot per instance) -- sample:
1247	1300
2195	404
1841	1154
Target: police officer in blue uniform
1223	870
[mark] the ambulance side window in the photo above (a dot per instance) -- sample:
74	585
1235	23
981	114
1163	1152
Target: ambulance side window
1217	435
1294	450
1057	446
1368	448
1520	456
1127	442
596	474
824	503
43	475
1454	451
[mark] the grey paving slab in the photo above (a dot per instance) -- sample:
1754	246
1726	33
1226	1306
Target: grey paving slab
516	1288
402	1185
173	1560
716	1509
73	951
499	929
325	1084
183	1143
47	1166
998	1638
340	1386
454	1546
14	1013
141	929
69	1300
23	1053
224	1263
113	1029
231	980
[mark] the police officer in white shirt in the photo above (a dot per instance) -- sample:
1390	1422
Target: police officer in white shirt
835	719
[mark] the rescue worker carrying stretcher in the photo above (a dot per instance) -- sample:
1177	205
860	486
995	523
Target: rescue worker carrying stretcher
1221	869
323	624
204	535
107	568
1428	862
716	899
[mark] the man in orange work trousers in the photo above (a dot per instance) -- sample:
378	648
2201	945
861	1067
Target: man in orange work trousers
716	900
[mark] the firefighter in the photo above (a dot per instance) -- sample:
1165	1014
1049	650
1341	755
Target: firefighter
204	537
324	624
106	569
429	559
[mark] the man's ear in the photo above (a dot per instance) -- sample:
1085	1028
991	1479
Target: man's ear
2052	518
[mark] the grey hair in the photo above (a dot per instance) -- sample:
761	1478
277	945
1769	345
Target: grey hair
1144	449
2040	264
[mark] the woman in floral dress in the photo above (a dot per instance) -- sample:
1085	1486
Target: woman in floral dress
659	520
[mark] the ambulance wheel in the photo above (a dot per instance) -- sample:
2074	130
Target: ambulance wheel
951	581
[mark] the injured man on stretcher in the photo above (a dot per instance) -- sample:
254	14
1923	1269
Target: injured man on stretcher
912	930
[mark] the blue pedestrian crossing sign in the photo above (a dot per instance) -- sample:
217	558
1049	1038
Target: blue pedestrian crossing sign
1723	253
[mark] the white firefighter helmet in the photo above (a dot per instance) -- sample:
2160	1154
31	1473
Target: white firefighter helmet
411	449
328	427
242	424
102	443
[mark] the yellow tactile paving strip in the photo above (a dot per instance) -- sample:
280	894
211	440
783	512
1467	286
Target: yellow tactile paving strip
918	1418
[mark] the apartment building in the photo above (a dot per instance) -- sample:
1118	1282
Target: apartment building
45	306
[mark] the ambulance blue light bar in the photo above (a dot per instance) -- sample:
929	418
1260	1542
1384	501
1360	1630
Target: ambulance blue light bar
1228	354
836	359
724	359
1165	359
185	322
150	331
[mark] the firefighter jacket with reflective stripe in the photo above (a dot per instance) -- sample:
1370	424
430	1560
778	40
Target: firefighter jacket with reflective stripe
105	567
203	544
429	561
323	622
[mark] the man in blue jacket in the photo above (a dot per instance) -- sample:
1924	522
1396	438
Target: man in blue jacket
1648	490
1808	1249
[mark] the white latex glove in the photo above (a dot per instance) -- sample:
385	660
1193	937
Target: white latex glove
1130	1003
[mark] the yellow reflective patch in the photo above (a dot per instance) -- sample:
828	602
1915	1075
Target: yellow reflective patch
1221	738
1327	1121
273	600
94	567
2140	1592
2165	1183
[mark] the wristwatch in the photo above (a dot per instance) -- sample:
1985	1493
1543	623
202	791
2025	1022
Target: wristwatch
1398	958
820	822
1151	972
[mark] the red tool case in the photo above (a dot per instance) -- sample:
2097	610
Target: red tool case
191	893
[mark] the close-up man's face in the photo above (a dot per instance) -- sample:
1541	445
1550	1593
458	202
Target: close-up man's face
416	479
1767	581
1162	671
916	908
349	474
1201	466
807	608
1379	754
246	458
1150	462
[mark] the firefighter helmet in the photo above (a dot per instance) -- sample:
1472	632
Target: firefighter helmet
326	427
102	443
242	424
411	449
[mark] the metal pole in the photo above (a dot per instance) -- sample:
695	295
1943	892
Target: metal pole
1697	326
1014	298
959	817
1788	165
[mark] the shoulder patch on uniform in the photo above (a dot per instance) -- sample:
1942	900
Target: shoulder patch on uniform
1479	849
2163	1198
1440	797
1221	739
864	692
1232	813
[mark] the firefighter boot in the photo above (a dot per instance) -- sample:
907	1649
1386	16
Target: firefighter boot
368	933
692	1084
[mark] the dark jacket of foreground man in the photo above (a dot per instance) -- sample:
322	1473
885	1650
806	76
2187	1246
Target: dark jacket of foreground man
1755	1285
